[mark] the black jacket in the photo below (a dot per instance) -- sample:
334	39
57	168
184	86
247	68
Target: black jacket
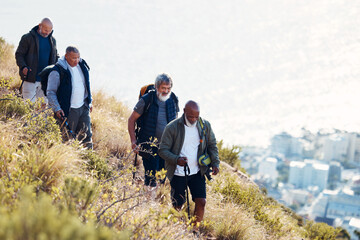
27	53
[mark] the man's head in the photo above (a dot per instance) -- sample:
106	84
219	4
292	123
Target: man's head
192	112
72	56
163	85
45	27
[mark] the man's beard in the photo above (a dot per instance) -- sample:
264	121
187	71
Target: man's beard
162	97
188	122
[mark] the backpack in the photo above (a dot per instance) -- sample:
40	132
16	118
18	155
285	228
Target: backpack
44	75
144	90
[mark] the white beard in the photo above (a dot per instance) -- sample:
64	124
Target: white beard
163	98
188	123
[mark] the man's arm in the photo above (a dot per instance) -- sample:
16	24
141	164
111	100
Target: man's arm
21	52
131	128
53	85
55	49
167	139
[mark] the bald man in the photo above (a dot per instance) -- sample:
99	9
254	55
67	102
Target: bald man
183	142
36	50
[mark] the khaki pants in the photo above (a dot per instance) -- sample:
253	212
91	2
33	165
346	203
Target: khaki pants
32	91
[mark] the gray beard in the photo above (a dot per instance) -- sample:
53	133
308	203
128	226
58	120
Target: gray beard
163	98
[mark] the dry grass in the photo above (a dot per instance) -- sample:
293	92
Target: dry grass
109	125
8	68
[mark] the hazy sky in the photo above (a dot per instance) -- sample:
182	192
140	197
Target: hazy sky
256	67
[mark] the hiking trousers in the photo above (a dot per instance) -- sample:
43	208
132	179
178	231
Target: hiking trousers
80	123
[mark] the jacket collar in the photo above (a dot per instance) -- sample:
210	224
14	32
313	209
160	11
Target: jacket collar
34	30
182	122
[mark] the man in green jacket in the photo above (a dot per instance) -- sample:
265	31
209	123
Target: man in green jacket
183	142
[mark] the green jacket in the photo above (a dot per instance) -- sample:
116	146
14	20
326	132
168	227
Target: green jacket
172	141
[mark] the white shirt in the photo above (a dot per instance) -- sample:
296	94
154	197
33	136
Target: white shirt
78	87
189	150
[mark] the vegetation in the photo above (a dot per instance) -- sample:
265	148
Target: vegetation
52	188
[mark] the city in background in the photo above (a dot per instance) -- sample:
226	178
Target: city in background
316	174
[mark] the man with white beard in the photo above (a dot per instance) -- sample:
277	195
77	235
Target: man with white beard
152	113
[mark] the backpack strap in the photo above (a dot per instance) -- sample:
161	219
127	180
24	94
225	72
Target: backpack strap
203	129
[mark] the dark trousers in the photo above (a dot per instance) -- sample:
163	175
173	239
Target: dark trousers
152	164
80	123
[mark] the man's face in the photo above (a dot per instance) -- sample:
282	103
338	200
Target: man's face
72	58
163	91
191	115
45	29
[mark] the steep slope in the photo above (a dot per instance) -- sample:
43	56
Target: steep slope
51	187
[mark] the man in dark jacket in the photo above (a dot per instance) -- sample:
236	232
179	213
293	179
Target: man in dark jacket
183	143
36	50
69	93
152	112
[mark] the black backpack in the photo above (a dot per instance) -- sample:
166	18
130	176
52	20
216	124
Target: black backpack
144	90
44	75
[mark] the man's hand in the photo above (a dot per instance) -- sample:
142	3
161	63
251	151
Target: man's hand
135	147
26	70
215	170
182	161
60	114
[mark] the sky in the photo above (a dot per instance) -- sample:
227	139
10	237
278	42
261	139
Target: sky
256	68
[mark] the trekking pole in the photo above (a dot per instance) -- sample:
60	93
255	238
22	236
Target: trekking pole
186	168
68	127
135	163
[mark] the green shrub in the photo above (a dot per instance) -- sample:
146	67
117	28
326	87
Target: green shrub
254	201
230	155
12	106
320	231
96	164
38	218
78	194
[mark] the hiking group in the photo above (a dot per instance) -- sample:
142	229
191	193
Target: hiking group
185	147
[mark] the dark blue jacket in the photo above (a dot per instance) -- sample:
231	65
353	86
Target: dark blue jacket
64	90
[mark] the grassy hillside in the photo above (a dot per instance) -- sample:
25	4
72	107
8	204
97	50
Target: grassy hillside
52	188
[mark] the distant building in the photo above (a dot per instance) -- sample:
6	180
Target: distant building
346	203
341	147
308	173
334	172
335	148
267	168
354	224
287	145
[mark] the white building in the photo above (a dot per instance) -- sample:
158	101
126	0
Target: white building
341	147
308	173
335	148
267	168
285	144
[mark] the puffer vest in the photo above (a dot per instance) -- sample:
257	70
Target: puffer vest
149	117
65	88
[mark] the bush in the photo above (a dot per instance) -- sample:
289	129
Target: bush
37	218
254	201
320	231
12	106
96	164
230	155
